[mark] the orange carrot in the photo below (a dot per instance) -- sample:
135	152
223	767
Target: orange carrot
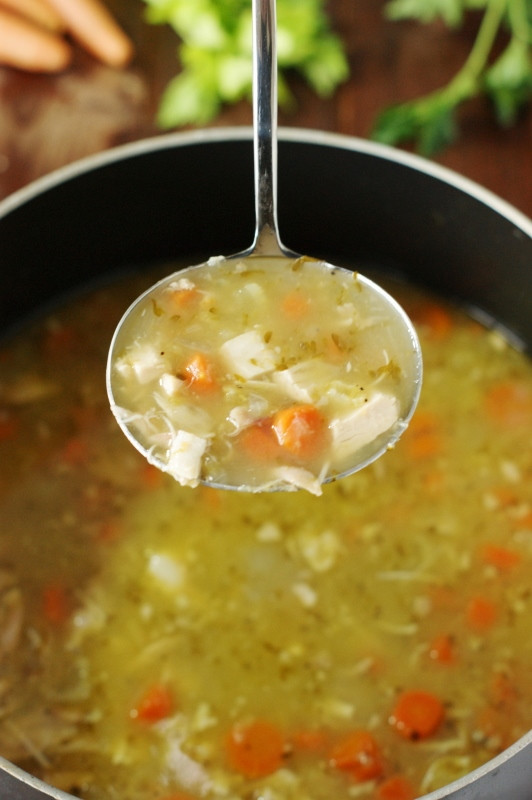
110	531
200	374
417	714
441	649
300	429
295	305
155	704
395	788
92	25
182	299
29	47
255	749
259	441
359	755
55	603
503	558
423	438
509	404
39	11
481	613
435	319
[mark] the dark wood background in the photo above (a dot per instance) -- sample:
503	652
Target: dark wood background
49	121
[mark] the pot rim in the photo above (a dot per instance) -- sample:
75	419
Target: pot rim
37	787
244	133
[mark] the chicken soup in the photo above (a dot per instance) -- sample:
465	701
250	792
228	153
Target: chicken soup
159	642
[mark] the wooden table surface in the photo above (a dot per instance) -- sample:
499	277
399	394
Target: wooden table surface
49	121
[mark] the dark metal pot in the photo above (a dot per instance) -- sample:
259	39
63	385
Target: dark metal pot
350	201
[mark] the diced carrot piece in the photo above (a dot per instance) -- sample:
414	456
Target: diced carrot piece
255	749
295	305
481	613
200	374
259	441
56	604
523	521
441	649
156	704
503	558
423	439
9	425
436	319
184	298
301	429
509	404
417	714
395	788
359	755
504	496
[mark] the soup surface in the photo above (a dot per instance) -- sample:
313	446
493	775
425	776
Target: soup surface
263	373
165	643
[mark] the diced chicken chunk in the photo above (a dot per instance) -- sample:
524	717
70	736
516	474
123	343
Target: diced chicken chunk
357	428
170	384
184	459
247	355
145	363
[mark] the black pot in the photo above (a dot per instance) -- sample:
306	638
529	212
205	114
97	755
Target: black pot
190	196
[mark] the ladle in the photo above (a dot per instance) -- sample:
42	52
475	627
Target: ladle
177	448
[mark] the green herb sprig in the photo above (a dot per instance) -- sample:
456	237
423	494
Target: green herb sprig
215	51
430	121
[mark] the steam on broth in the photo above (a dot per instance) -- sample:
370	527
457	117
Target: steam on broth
161	643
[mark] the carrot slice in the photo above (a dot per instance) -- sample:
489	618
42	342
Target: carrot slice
417	714
423	438
255	749
200	374
436	319
295	305
359	755
481	613
395	788
259	442
156	703
509	404
300	429
309	740
503	558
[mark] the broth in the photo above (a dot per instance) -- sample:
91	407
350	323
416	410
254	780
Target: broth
263	373
162	643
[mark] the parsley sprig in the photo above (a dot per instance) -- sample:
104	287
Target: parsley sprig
430	121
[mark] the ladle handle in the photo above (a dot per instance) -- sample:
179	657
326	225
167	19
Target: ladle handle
267	240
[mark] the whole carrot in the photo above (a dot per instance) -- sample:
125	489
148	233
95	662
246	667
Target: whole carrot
93	26
38	11
30	47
